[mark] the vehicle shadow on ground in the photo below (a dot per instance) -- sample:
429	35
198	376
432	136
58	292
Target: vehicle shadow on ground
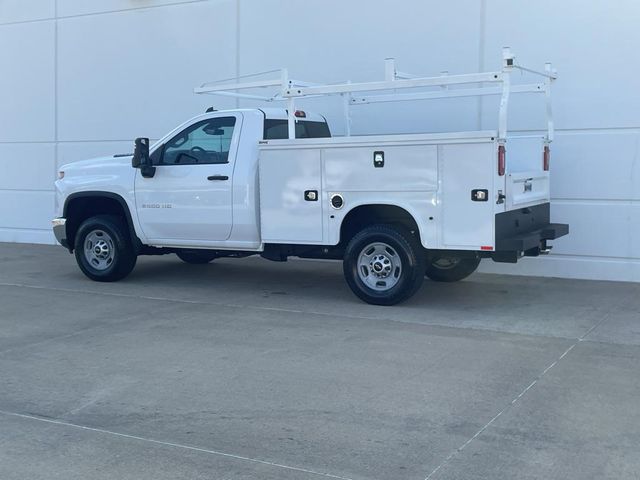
322	283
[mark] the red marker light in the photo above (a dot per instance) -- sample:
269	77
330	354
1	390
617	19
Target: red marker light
501	160
546	156
300	114
486	247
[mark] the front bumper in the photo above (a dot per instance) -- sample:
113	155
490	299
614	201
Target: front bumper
524	232
60	230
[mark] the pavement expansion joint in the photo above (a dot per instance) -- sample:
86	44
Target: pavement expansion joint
516	398
169	444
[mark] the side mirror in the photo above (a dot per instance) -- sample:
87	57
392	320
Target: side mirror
140	153
141	158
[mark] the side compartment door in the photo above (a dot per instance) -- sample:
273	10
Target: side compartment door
189	199
291	202
467	223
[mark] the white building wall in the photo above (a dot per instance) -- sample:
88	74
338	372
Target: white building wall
82	79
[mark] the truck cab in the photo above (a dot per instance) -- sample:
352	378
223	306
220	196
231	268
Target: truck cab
199	189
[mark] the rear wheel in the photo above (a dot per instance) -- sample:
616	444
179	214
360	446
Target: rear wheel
196	257
451	269
103	248
384	265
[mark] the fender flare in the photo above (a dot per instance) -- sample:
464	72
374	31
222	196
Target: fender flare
137	243
412	214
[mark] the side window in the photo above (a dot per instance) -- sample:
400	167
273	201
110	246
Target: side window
279	129
205	142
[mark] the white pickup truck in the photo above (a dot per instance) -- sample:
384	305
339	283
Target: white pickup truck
273	182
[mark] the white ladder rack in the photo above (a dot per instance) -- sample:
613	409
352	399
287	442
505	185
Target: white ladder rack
486	83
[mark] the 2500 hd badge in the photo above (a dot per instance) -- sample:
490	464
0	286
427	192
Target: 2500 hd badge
157	205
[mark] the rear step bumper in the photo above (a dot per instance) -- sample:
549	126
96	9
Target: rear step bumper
524	232
529	240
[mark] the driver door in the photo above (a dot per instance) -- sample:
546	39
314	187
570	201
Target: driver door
189	199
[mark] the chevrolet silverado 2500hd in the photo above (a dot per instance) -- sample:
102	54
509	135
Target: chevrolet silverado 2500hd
275	183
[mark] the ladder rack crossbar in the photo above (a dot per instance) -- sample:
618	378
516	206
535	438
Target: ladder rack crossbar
466	92
394	84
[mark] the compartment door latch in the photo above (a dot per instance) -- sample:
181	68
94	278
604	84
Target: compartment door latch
480	195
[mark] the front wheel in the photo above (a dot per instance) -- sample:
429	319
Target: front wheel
451	269
103	248
384	265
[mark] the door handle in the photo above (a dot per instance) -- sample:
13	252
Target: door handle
217	177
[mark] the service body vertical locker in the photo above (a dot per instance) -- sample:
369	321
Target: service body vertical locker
469	194
291	207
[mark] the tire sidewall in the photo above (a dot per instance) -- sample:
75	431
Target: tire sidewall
410	256
462	270
123	256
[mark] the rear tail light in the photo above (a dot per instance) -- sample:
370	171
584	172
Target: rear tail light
501	160
546	156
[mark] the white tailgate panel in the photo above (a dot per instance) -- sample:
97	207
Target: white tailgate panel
285	215
527	183
466	224
406	168
525	189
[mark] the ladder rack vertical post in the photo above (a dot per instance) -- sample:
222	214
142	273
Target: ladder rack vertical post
547	94
507	67
291	118
291	105
346	107
389	69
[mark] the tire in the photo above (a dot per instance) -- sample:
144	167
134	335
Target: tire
450	269
196	257
103	248
384	265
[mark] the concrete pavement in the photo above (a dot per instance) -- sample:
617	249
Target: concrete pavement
247	369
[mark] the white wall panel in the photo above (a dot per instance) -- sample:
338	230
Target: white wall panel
604	229
596	165
18	235
24	11
334	40
27	85
134	72
84	7
31	210
26	166
593	44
